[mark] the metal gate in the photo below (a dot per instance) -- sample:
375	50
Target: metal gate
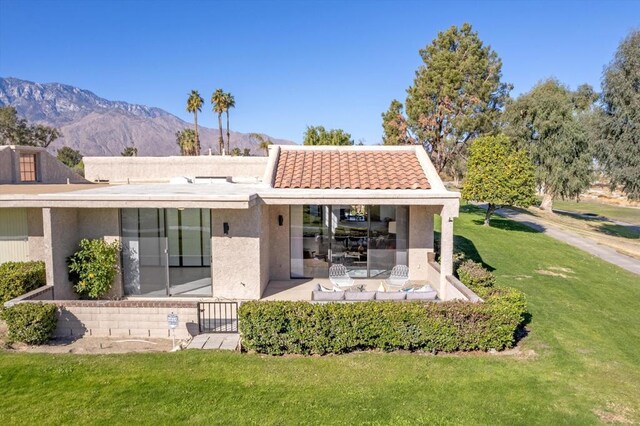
218	317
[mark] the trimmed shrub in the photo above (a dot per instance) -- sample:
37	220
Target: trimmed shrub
474	275
32	323
93	267
18	278
277	328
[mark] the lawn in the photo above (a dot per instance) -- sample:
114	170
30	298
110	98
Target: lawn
629	215
580	363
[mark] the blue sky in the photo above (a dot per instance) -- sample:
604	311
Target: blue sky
293	64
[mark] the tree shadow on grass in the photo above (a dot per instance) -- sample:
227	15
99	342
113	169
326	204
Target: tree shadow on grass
624	231
499	222
503	223
463	245
607	226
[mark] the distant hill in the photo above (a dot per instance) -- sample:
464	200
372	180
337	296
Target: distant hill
96	126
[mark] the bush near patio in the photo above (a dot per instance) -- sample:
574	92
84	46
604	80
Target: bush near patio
93	267
18	278
278	328
474	275
31	323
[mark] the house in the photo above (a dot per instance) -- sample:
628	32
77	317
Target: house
239	228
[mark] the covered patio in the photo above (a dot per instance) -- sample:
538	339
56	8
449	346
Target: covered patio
301	289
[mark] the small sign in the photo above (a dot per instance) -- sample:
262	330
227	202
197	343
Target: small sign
172	320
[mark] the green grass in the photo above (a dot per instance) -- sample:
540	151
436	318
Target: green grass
624	214
583	358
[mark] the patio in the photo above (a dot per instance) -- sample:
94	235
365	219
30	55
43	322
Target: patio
300	289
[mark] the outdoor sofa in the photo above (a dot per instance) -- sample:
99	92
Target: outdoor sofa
319	294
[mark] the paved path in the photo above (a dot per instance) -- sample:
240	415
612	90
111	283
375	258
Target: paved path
226	341
583	243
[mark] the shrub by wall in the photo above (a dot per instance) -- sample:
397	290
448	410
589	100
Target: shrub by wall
474	275
277	328
32	323
93	267
18	278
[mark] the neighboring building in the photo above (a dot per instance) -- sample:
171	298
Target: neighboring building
21	234
30	164
236	227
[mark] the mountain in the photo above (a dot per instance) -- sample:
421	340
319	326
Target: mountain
97	126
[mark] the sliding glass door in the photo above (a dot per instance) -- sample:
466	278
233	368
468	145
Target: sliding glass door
166	252
349	242
310	241
368	240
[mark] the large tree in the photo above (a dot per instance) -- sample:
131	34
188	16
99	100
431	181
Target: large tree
17	131
230	102
394	124
69	156
318	135
130	151
456	94
550	122
219	102
194	106
618	144
186	140
499	174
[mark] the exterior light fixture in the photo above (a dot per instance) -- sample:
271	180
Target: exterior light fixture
225	228
280	220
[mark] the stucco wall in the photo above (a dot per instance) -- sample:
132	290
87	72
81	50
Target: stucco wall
265	247
162	169
102	223
236	257
279	245
36	234
63	230
6	167
420	240
53	171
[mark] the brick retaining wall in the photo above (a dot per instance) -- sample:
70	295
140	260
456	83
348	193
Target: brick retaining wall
125	318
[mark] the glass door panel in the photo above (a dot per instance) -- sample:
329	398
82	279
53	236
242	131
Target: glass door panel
309	241
387	239
349	243
145	266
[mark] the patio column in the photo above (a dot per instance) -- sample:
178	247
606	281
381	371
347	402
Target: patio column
446	252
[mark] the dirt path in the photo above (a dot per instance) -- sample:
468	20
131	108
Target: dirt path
586	243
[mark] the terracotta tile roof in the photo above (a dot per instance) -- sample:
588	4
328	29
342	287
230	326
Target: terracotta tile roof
334	169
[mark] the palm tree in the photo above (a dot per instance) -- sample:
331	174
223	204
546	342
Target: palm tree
230	102
186	140
264	142
194	105
219	102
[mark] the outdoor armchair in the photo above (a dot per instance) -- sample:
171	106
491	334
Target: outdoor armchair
340	278
398	278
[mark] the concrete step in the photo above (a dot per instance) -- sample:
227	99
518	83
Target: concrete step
222	341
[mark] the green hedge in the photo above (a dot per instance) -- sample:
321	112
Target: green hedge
18	278
32	323
278	328
474	275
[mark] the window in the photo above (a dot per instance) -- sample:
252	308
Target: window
28	171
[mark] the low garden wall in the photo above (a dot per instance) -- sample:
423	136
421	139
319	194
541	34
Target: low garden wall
115	318
123	318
